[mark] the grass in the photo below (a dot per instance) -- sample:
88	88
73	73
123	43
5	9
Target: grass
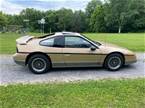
132	41
8	42
125	93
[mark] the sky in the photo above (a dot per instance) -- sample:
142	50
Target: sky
15	6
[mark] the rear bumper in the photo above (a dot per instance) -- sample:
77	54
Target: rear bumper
20	58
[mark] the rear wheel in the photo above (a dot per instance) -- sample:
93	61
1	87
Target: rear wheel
114	62
39	64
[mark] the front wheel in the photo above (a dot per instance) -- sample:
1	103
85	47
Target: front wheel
39	64
114	62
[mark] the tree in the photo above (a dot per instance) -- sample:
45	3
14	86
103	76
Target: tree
137	20
117	13
15	20
32	15
120	13
108	16
97	22
92	5
51	19
79	21
64	19
3	19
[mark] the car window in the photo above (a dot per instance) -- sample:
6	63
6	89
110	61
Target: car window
57	41
76	42
47	42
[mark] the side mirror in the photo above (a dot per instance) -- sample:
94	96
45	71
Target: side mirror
93	48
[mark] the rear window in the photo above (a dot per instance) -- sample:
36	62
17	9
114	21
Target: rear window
57	41
47	42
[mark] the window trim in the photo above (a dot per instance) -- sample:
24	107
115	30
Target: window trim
66	35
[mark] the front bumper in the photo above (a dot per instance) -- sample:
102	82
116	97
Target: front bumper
129	59
20	58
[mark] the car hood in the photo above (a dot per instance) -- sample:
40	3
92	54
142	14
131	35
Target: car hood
109	48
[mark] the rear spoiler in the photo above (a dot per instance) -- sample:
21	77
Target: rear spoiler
23	40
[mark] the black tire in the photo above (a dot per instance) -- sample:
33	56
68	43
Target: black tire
39	64
114	62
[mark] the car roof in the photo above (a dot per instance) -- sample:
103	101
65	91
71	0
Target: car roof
67	33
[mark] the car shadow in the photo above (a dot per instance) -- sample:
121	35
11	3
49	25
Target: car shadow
82	69
86	69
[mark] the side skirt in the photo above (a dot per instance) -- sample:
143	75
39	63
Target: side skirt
59	65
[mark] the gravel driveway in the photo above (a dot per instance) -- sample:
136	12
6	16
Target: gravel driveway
11	73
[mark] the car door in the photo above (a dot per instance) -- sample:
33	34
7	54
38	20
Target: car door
77	52
53	47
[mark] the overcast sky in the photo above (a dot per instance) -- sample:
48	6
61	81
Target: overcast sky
15	6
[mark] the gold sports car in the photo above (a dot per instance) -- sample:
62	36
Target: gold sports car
69	49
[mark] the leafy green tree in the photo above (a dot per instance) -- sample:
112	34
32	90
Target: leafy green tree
32	15
64	19
137	16
92	6
3	19
51	19
97	22
79	22
118	16
117	13
107	16
121	14
15	20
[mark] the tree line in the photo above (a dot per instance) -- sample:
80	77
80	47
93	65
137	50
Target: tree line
99	16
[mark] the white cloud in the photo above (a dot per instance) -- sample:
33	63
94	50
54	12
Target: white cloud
10	8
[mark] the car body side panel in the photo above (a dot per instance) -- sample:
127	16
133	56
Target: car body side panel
55	54
56	59
82	57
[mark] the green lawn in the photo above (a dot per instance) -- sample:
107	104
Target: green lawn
132	41
125	93
8	42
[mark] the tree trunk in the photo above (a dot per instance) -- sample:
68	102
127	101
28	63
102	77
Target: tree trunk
119	29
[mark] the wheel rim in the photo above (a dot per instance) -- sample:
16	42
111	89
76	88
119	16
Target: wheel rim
114	63
38	64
